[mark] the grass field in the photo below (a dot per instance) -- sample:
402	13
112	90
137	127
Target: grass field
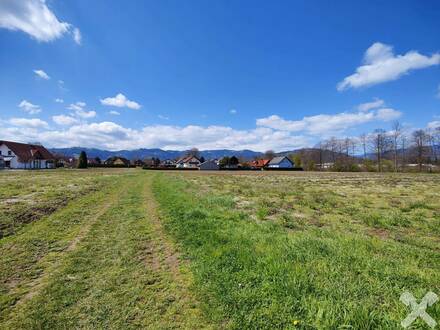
242	250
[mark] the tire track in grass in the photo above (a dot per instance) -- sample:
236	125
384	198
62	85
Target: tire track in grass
124	273
28	258
38	283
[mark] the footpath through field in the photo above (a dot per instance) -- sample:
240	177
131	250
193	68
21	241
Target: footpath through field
101	262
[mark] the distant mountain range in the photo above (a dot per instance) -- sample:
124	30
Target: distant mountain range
157	153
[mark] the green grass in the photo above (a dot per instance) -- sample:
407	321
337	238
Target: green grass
265	258
100	262
137	249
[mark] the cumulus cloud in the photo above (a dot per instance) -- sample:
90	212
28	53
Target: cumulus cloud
113	112
34	18
120	101
112	136
64	120
78	110
434	124
272	132
85	114
77	106
377	103
380	65
30	108
59	100
42	74
32	123
328	124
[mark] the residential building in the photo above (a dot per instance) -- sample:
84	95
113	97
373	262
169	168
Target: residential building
210	165
117	161
281	162
25	156
260	163
188	162
138	162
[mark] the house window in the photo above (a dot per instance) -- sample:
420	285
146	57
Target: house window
0	152
9	153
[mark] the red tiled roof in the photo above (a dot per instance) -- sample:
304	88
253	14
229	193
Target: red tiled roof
26	152
260	162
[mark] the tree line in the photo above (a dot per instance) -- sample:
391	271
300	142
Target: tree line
398	149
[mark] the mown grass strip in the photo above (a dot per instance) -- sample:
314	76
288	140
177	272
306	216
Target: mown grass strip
108	281
26	256
257	275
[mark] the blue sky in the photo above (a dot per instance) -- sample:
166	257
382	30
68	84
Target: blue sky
225	74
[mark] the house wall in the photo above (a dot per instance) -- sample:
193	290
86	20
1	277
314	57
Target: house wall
210	166
284	164
16	164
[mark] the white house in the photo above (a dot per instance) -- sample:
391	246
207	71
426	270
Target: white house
281	162
188	162
25	156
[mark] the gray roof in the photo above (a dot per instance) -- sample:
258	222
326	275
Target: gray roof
277	160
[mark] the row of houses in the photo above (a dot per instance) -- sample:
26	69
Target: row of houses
280	162
16	155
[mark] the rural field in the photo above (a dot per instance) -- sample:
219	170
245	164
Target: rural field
128	248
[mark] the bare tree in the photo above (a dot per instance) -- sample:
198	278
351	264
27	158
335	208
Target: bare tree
364	140
193	152
332	145
432	140
419	139
396	134
269	154
379	143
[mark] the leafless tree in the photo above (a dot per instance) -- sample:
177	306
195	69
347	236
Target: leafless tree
379	143
364	140
420	139
269	154
396	134
193	152
432	141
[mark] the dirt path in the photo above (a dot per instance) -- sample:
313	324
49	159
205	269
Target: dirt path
38	283
119	271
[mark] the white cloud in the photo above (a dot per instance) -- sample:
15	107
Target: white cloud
387	114
77	36
434	124
109	135
163	117
272	132
76	106
377	103
381	65
85	114
42	74
120	101
59	100
30	108
64	120
232	111
34	18
79	110
328	124
113	112
25	122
